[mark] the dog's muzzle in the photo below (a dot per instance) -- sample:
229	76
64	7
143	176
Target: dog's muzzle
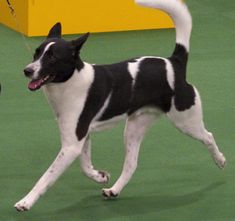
28	72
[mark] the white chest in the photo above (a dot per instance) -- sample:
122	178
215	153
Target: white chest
68	99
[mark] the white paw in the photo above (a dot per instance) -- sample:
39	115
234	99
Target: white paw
22	206
220	160
109	193
103	177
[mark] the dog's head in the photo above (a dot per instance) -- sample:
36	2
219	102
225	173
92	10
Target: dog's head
54	60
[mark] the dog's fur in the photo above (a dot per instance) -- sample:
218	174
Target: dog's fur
88	98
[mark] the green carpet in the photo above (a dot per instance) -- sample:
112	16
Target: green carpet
176	179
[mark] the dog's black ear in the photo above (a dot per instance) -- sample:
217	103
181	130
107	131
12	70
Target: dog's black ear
55	31
78	43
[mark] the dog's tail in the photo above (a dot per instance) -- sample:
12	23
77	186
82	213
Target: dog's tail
180	15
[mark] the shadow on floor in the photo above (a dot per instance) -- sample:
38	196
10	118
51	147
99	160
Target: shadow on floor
94	208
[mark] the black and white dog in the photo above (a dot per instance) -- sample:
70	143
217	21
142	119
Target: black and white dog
88	98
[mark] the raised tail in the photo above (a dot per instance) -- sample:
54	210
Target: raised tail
180	15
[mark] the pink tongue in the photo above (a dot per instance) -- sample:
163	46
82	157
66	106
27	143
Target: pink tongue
35	84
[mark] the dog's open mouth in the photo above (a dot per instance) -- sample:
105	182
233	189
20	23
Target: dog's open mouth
36	84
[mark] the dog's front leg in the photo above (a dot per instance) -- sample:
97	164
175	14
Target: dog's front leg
63	160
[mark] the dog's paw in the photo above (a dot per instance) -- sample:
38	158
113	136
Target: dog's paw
109	193
220	160
22	205
103	177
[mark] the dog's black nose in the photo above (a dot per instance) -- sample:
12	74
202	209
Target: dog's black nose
28	72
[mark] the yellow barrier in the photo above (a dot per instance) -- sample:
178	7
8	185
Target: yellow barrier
35	17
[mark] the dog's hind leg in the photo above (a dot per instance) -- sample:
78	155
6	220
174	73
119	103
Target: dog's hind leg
135	129
99	176
191	123
64	159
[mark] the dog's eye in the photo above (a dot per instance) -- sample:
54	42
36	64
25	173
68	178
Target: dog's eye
51	56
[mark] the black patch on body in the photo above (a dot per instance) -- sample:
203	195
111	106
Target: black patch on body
121	91
109	79
184	92
149	89
99	91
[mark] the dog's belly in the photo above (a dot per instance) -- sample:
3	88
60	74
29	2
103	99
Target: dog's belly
106	124
112	122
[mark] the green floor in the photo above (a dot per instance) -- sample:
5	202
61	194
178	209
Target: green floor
176	179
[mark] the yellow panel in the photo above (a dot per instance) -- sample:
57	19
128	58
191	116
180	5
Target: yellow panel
20	23
35	17
79	16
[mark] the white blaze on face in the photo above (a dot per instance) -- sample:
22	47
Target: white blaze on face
36	65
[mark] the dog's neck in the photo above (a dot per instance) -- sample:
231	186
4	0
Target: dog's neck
71	92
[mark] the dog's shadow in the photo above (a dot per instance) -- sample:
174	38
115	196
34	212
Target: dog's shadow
93	208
